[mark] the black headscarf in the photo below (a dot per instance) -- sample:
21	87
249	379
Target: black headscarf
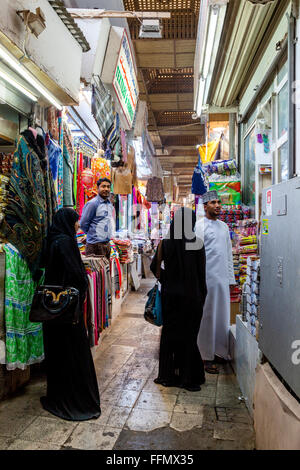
61	242
184	257
63	223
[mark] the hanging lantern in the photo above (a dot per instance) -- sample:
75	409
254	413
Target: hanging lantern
87	178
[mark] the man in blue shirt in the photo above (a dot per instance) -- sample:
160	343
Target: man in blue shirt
96	221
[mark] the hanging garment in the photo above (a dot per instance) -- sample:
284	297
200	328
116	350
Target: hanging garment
60	183
183	296
100	169
31	200
132	165
208	152
54	156
198	184
102	106
72	390
68	171
213	336
155	190
122	180
24	340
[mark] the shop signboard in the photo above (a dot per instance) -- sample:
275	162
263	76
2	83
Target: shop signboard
125	81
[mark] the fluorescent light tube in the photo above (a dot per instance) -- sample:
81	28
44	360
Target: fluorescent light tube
17	85
12	61
201	88
213	21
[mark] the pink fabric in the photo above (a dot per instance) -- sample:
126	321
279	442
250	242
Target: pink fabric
95	303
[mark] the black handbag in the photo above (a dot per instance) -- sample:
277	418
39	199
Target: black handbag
55	304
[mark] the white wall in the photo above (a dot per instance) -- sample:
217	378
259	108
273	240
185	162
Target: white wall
55	51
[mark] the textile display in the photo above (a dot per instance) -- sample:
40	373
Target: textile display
124	249
68	171
24	340
115	268
54	156
31	200
60	181
155	190
98	308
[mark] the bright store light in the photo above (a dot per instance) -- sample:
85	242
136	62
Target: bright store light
201	88
213	21
17	85
21	70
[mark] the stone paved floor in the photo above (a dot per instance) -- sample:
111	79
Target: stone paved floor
136	413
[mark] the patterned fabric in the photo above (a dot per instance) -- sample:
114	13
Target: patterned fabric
68	171
102	107
30	203
54	156
24	340
155	190
100	168
60	194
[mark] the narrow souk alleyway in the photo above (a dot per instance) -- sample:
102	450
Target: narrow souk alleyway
136	413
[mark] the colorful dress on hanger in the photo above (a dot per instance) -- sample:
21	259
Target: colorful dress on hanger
24	340
31	200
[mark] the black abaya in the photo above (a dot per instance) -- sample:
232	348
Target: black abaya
183	295
72	389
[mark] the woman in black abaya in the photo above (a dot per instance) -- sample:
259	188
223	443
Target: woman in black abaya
72	389
183	295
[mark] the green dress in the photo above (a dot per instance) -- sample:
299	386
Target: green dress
24	340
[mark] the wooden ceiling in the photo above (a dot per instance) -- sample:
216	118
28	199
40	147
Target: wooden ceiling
166	74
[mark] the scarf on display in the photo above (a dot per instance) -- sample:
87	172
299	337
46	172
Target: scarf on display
30	201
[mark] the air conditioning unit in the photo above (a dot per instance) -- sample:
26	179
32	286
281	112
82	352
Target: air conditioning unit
151	29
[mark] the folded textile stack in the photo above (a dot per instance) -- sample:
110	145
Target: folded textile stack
125	251
81	241
235	294
114	253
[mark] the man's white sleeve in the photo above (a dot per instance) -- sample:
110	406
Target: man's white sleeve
231	276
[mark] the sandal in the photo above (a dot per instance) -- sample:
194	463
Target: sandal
211	369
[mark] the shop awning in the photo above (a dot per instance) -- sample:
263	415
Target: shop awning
245	34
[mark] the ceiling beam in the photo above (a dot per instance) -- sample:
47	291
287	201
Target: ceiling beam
95	14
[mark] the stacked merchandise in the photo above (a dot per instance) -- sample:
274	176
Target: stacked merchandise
98	304
246	244
223	177
250	306
124	248
232	215
81	241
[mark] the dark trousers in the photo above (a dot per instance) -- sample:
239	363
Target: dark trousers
98	249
